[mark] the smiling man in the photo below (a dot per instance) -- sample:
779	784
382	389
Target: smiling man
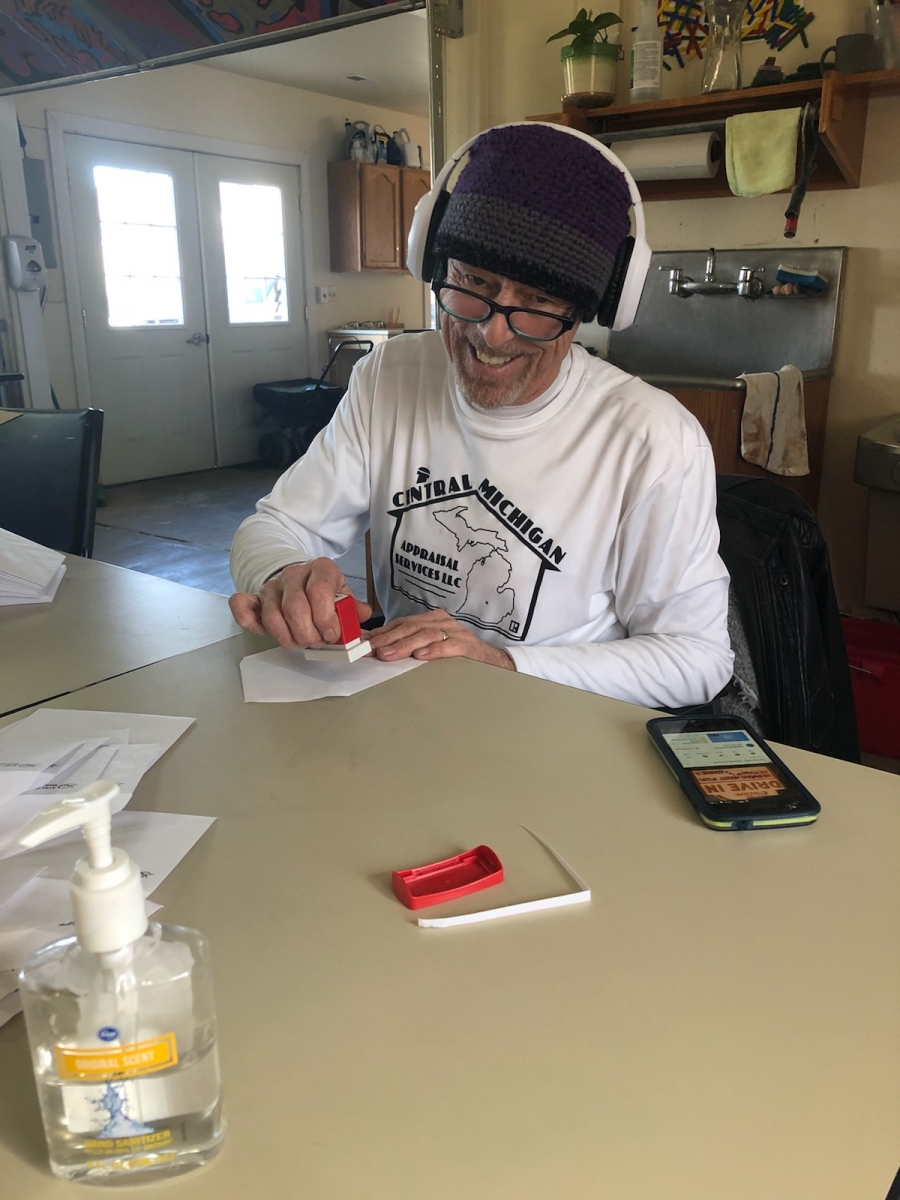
530	506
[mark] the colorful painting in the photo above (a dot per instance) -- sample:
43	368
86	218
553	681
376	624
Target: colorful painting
44	40
776	22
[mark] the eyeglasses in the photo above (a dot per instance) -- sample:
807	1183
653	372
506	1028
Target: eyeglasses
528	323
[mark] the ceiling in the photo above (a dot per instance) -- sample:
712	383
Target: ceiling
390	54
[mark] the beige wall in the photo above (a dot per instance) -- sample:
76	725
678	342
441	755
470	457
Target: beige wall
503	71
213	103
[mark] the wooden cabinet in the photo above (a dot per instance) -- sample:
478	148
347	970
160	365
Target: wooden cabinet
843	107
370	211
719	411
414	183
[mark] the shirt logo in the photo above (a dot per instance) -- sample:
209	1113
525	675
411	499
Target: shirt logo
471	552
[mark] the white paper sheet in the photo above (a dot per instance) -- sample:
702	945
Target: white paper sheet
28	759
71	724
44	904
16	813
18	945
41	902
285	676
10	1006
157	842
24	563
9	594
14	876
8	982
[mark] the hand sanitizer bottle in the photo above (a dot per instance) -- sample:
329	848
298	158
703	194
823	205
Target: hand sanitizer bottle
121	1021
646	55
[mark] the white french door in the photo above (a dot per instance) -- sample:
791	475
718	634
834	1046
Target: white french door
252	257
191	279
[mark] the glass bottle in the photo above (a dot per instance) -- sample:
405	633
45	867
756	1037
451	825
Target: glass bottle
722	66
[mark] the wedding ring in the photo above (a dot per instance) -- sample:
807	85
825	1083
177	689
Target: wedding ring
444	636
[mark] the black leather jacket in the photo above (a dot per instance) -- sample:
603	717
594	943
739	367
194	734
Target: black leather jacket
781	580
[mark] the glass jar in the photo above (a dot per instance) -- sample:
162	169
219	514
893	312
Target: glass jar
722	62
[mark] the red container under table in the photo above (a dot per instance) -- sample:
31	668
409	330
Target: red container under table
873	651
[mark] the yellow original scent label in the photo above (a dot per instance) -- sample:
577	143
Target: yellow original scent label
118	1062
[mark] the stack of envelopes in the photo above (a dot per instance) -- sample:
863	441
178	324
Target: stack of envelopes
29	573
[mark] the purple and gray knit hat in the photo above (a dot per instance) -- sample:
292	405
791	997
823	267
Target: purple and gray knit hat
541	207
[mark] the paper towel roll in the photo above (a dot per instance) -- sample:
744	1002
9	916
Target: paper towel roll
683	156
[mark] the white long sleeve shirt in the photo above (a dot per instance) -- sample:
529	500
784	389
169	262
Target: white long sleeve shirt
578	532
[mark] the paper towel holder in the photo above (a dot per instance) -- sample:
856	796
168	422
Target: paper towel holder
670	152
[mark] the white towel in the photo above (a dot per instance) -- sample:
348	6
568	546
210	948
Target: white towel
773	425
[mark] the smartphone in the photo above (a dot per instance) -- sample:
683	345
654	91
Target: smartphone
730	775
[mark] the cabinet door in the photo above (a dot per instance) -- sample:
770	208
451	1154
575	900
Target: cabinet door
414	184
719	411
380	217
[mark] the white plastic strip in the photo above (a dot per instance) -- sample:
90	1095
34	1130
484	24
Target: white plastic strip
513	910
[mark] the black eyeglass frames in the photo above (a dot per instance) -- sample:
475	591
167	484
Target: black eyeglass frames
529	323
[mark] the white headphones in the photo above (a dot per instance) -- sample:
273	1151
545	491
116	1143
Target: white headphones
623	292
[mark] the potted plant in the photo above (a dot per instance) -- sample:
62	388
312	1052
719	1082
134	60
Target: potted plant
590	61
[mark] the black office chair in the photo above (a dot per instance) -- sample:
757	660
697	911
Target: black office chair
790	657
49	471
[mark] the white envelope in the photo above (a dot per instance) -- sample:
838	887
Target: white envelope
285	676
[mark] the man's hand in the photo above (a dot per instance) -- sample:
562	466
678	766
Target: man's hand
434	635
296	606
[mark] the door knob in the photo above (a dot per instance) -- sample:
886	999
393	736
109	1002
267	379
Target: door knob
199	339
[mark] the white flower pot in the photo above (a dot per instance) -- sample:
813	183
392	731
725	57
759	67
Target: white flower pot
590	75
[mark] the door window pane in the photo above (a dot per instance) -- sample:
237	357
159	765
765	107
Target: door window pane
139	239
253	236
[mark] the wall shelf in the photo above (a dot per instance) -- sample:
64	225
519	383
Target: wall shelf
844	103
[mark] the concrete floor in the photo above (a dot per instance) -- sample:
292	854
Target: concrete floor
180	527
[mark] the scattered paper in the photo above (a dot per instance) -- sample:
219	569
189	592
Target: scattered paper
156	841
28	760
16	813
10	1006
9	982
44	596
285	676
14	876
68	724
41	902
513	910
29	573
17	947
57	752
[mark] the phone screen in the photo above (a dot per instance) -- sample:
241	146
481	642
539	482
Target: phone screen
731	768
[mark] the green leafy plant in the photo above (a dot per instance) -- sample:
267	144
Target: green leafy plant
587	29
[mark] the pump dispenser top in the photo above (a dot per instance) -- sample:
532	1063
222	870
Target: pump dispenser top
107	898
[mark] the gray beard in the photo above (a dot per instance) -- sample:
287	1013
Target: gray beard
485	396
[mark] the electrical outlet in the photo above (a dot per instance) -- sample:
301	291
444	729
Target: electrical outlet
324	295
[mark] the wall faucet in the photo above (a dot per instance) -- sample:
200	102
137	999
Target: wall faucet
747	284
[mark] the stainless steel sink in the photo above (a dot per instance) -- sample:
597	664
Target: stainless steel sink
707	340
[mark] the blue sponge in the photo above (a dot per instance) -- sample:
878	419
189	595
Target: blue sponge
805	278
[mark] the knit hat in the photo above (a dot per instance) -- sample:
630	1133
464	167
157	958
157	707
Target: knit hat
541	207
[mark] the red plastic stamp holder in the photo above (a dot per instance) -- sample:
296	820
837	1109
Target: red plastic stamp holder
449	879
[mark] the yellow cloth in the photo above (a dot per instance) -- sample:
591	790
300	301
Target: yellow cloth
761	151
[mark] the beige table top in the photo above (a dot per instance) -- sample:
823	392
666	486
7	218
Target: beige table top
102	622
722	1022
